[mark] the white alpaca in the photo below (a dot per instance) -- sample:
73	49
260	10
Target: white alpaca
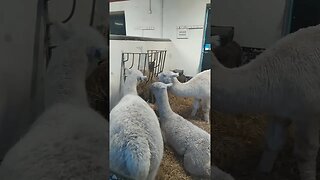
197	87
136	144
69	140
282	82
187	140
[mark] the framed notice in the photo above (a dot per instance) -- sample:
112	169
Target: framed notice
182	33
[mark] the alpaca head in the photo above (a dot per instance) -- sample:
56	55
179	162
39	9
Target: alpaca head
94	44
166	77
134	74
157	87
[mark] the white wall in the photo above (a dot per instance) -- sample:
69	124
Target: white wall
116	49
185	12
137	15
257	23
186	53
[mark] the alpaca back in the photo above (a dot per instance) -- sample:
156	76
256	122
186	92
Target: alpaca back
65	77
134	125
198	86
60	148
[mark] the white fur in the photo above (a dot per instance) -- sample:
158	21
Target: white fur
136	144
187	140
197	87
219	174
282	82
69	140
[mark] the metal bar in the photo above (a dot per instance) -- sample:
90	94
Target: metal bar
139	63
71	13
164	60
92	12
132	61
160	63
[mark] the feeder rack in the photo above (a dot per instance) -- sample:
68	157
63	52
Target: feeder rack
152	60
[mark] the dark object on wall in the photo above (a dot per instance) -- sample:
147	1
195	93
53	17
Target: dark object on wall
117	23
226	33
229	55
181	78
305	13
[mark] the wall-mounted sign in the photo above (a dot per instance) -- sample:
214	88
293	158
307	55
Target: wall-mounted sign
182	33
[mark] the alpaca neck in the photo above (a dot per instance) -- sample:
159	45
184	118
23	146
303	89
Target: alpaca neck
66	74
162	102
181	89
240	90
130	86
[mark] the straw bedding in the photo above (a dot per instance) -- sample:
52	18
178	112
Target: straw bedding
238	143
97	90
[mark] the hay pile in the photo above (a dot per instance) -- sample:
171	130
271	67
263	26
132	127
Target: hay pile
97	90
144	91
238	143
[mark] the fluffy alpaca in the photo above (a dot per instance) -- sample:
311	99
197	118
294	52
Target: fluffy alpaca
187	139
197	87
69	139
283	82
136	144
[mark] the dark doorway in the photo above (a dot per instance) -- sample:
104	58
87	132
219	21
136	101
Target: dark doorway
206	56
305	13
117	23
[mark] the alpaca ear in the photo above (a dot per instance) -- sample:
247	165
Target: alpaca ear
144	78
127	70
61	32
175	75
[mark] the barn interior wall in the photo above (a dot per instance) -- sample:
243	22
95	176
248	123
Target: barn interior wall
138	17
257	23
186	53
185	13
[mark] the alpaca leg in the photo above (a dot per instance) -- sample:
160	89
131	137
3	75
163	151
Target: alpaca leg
195	105
306	148
206	109
275	139
196	166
